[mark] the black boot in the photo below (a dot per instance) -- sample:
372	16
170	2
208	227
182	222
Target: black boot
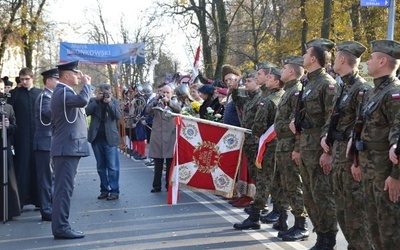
252	222
281	224
299	231
271	217
249	209
318	244
329	242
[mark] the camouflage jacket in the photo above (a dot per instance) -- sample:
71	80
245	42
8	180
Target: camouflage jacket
284	115
349	103
354	85
318	100
248	104
266	111
380	110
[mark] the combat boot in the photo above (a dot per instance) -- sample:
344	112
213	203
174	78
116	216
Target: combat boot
299	231
318	244
282	223
329	241
252	222
272	216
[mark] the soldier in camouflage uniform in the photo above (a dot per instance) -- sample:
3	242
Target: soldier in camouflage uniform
288	145
348	192
264	119
249	106
315	163
380	177
263	74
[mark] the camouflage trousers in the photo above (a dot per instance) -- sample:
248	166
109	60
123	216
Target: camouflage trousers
350	210
317	192
383	216
291	186
262	177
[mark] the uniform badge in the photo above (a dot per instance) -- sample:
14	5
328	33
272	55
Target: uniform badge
297	94
331	87
361	94
261	104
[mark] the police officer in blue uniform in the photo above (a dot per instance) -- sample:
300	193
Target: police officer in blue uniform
69	143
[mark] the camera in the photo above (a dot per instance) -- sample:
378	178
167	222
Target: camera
106	95
5	95
161	96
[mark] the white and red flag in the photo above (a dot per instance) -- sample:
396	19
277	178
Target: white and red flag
207	156
265	138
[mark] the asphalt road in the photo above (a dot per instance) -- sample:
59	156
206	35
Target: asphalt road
143	220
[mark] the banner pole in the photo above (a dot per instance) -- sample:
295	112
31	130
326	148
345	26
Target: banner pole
222	125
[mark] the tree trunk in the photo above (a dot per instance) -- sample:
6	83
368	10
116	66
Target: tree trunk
304	28
327	19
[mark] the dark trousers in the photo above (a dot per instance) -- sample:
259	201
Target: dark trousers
158	167
64	173
44	171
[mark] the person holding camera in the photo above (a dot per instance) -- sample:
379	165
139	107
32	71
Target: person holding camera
163	134
105	112
13	204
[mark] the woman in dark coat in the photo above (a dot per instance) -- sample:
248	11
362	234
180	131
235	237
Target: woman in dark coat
206	93
14	208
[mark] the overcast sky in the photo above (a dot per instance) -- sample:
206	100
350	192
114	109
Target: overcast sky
73	12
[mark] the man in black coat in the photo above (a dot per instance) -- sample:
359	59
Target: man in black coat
23	101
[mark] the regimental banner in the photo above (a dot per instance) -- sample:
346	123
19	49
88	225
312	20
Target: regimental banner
133	53
207	155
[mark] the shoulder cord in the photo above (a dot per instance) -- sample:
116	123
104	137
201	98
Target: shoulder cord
65	110
40	112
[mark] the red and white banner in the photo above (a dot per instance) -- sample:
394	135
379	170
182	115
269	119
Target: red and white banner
207	156
265	138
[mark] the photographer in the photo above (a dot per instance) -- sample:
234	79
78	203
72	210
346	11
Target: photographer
163	134
11	126
105	112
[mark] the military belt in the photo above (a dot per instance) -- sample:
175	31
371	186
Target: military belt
379	146
286	134
311	130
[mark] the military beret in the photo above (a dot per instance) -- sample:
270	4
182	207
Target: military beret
352	47
229	69
298	60
7	82
276	71
323	43
50	73
389	47
250	74
72	66
265	65
207	89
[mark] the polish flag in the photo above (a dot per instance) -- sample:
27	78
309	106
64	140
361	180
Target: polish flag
267	137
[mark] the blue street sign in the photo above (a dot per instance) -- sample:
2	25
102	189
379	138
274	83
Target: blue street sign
376	3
